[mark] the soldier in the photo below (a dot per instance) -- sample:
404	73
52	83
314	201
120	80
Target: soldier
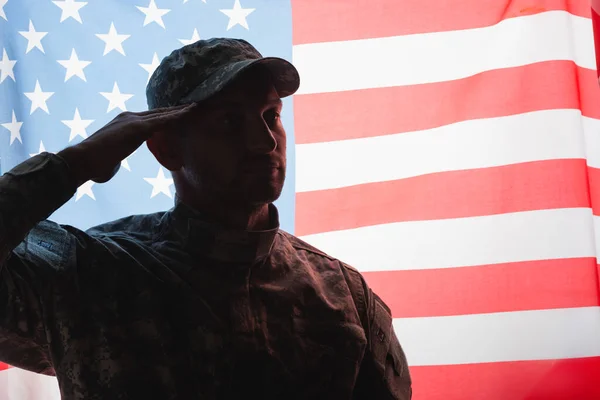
210	299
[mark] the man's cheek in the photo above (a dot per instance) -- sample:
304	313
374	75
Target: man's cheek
228	174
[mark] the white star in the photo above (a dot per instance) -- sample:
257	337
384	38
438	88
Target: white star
14	127
38	98
34	39
85	189
116	99
160	184
150	68
77	125
237	15
125	162
113	40
2	4
74	66
70	8
153	14
6	67
194	39
42	149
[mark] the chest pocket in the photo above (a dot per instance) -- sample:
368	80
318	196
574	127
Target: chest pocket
327	357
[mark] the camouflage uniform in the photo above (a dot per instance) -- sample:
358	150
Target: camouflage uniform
166	306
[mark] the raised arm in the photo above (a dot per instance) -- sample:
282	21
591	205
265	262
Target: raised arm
36	253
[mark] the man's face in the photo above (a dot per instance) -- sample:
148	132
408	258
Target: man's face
235	146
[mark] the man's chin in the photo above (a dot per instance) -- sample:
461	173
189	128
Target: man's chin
262	197
260	191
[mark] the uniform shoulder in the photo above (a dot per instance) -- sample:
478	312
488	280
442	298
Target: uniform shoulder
137	226
301	245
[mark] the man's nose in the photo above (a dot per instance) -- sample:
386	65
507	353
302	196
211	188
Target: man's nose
259	137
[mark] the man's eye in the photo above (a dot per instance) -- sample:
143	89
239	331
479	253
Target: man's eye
272	116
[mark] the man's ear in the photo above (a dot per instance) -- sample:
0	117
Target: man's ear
166	149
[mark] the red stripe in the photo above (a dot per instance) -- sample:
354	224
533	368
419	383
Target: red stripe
594	184
454	194
596	29
4	366
548	85
533	285
323	21
523	380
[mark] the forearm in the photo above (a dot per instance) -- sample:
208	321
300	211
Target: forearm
29	193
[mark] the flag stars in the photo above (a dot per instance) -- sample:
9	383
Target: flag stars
14	127
160	184
194	39
113	40
85	190
153	14
150	68
78	126
237	15
2	13
125	162
74	66
70	9
7	67
34	38
116	98
39	98
41	150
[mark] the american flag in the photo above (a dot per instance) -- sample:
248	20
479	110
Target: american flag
449	150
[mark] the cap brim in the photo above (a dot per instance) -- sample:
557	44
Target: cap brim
286	78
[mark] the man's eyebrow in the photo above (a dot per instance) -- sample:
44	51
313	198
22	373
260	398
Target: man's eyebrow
276	102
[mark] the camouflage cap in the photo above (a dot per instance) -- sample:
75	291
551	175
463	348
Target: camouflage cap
197	71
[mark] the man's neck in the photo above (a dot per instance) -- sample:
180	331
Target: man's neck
255	218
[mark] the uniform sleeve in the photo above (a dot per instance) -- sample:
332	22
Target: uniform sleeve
384	373
32	250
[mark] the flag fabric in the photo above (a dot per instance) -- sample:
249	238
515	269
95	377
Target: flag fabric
595	15
450	151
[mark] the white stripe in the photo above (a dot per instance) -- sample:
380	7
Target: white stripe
522	236
540	135
442	56
512	336
591	128
18	384
596	237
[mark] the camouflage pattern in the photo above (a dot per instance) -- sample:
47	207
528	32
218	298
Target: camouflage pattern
166	306
199	70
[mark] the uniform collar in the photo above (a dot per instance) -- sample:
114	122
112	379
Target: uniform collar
218	243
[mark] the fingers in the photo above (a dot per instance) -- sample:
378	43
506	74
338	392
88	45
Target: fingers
167	118
165	110
145	123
